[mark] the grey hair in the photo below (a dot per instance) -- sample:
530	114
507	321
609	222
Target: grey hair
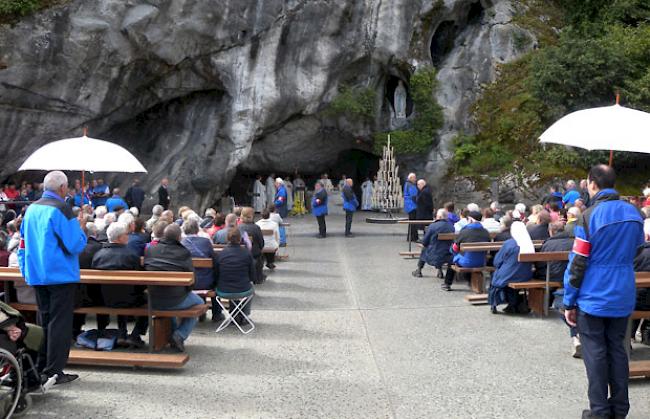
231	220
115	230
157	210
126	218
134	211
100	211
442	214
190	226
54	180
110	218
571	183
210	212
91	230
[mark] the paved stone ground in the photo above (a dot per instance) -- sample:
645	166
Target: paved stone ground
344	331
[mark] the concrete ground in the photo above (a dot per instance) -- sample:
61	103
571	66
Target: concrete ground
345	331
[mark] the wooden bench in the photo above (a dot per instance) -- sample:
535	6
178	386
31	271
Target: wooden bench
539	291
159	320
410	255
477	280
454	236
491	246
639	368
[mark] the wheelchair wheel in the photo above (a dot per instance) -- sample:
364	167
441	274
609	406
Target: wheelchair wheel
24	403
11	381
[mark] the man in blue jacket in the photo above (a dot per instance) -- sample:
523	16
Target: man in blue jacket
319	208
350	205
116	201
51	240
436	252
281	198
571	194
410	205
600	292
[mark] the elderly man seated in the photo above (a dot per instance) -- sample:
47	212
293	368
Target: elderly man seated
156	211
170	255
115	255
435	252
489	222
471	233
509	269
221	236
464	220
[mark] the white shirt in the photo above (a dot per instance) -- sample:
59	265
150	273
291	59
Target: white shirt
270	241
275	217
491	225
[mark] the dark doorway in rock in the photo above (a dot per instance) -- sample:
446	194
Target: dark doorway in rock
391	85
356	164
475	14
442	41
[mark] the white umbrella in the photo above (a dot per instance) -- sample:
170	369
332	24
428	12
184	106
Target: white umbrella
83	154
606	128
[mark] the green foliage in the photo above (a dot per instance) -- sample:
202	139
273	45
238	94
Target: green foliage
604	48
18	7
425	123
356	102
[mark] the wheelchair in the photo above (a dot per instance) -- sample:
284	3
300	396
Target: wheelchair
19	378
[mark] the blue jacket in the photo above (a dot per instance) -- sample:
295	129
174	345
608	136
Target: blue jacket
600	276
200	247
97	201
281	201
436	252
453	218
508	269
137	243
319	203
51	243
77	199
350	202
471	233
570	197
410	196
114	202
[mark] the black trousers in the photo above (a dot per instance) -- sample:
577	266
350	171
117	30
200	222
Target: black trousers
55	310
603	351
139	329
412	234
259	269
322	227
348	221
270	258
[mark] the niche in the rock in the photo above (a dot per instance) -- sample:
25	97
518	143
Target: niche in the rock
442	41
391	86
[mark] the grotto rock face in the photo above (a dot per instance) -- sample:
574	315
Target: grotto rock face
197	89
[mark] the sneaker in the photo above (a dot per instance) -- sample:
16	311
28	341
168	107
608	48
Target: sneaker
493	310
271	266
587	414
135	341
510	310
417	273
65	378
577	348
445	287
349	235
177	342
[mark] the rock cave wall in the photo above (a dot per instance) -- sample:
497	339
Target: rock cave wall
198	89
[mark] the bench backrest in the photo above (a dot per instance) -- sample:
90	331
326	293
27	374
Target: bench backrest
453	236
543	257
491	246
94	276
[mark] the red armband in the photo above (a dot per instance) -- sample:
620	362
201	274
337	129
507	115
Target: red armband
581	247
22	243
455	247
318	201
280	198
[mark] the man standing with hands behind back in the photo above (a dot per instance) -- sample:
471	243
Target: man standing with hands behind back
51	240
600	291
163	193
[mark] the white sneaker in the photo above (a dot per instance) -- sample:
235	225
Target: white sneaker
577	347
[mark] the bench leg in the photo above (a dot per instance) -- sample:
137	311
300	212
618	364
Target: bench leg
536	301
162	332
477	282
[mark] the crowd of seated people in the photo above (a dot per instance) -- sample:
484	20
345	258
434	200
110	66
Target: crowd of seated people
552	222
120	239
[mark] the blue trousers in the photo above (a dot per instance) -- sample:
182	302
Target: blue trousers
187	324
603	351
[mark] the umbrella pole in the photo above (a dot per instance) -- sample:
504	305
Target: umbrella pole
611	157
83	173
